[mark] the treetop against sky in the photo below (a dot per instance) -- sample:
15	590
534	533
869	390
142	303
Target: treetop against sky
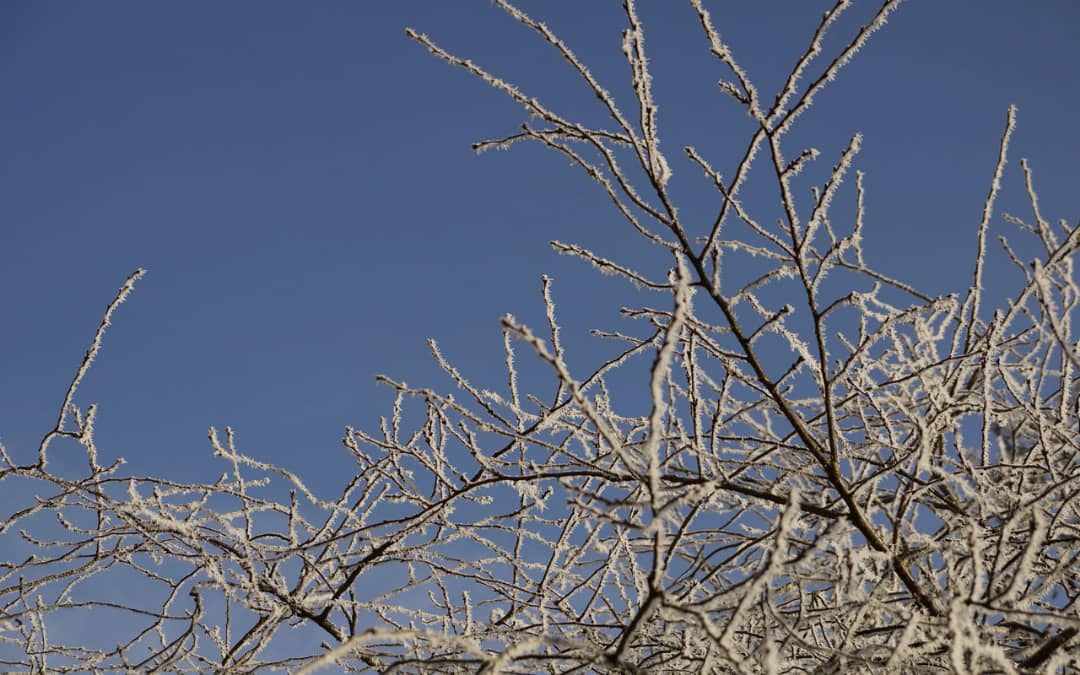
298	182
796	439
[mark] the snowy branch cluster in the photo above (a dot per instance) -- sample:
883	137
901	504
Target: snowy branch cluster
835	473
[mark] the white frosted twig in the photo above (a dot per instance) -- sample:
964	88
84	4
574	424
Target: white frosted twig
984	222
84	367
821	209
606	266
654	162
781	118
723	52
661	368
602	94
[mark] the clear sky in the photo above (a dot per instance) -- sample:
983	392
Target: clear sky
297	179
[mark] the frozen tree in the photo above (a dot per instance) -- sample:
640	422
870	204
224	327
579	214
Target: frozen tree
833	471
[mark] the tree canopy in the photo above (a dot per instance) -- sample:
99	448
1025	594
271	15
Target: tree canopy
803	465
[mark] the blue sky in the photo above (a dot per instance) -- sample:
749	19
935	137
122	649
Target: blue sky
298	181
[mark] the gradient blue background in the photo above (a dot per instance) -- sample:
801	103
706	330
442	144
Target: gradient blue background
297	178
